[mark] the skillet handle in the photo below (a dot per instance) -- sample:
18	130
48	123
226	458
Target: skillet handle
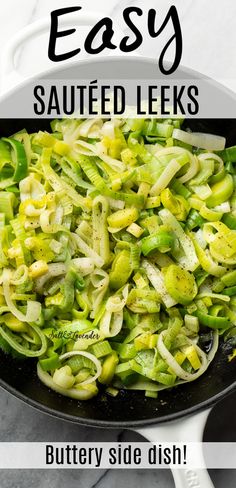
9	70
189	429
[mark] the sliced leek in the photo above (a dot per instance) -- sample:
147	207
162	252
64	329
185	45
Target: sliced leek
117	252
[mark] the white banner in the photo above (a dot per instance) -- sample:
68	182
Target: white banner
152	98
57	455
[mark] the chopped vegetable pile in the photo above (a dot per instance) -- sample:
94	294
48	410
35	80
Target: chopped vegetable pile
117	253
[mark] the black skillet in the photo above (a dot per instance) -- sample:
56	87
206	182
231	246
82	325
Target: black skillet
129	409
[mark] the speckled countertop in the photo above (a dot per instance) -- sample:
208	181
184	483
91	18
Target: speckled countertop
19	422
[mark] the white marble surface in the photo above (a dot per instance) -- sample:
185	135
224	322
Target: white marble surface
208	28
210	49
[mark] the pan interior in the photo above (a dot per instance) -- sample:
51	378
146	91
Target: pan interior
128	408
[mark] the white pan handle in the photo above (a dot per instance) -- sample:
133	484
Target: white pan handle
9	74
189	429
